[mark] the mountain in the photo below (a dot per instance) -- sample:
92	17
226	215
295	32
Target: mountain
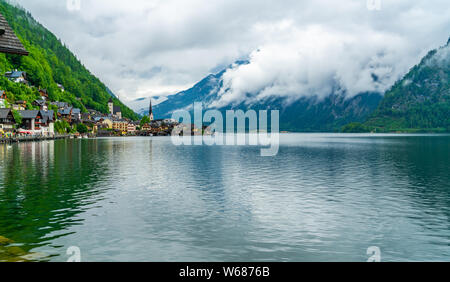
141	105
51	63
309	114
420	102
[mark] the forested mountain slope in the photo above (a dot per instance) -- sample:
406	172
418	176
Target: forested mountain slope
421	100
50	63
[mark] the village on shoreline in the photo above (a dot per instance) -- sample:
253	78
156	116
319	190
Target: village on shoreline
42	118
55	119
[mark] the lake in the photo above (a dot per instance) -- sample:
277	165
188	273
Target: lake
324	197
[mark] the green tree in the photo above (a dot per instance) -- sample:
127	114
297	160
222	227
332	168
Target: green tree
17	117
49	63
82	128
62	127
355	127
145	120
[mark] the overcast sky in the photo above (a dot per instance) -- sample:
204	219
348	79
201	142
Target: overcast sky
142	48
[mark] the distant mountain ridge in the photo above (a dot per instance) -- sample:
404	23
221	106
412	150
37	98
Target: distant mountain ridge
307	114
418	102
421	100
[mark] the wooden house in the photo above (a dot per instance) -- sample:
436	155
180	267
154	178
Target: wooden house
7	120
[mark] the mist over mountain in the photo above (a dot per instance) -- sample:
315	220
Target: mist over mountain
325	101
420	101
309	114
141	105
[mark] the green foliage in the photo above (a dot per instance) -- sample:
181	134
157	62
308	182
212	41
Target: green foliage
18	91
17	117
62	127
50	62
356	127
145	120
82	128
420	102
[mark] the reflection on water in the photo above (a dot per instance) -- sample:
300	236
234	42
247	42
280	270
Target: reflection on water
324	197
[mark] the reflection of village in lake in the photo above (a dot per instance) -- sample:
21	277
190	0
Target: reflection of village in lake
144	199
46	186
42	187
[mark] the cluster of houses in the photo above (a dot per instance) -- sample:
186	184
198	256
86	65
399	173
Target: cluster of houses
115	124
34	122
41	119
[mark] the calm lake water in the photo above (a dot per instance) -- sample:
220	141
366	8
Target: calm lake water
324	197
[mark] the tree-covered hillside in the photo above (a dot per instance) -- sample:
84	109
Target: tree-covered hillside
420	101
50	63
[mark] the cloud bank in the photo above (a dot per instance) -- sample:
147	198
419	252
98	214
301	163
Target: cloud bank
143	48
317	62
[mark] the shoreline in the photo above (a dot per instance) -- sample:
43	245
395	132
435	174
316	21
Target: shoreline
47	138
32	139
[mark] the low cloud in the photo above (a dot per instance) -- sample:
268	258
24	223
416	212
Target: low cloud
318	61
143	48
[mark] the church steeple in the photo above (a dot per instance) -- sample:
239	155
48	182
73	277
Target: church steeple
111	106
150	111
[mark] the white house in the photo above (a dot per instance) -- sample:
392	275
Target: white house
17	76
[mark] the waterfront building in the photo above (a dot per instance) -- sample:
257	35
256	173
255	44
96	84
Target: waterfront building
48	123
146	127
104	123
7	120
30	119
131	128
115	111
120	125
38	122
